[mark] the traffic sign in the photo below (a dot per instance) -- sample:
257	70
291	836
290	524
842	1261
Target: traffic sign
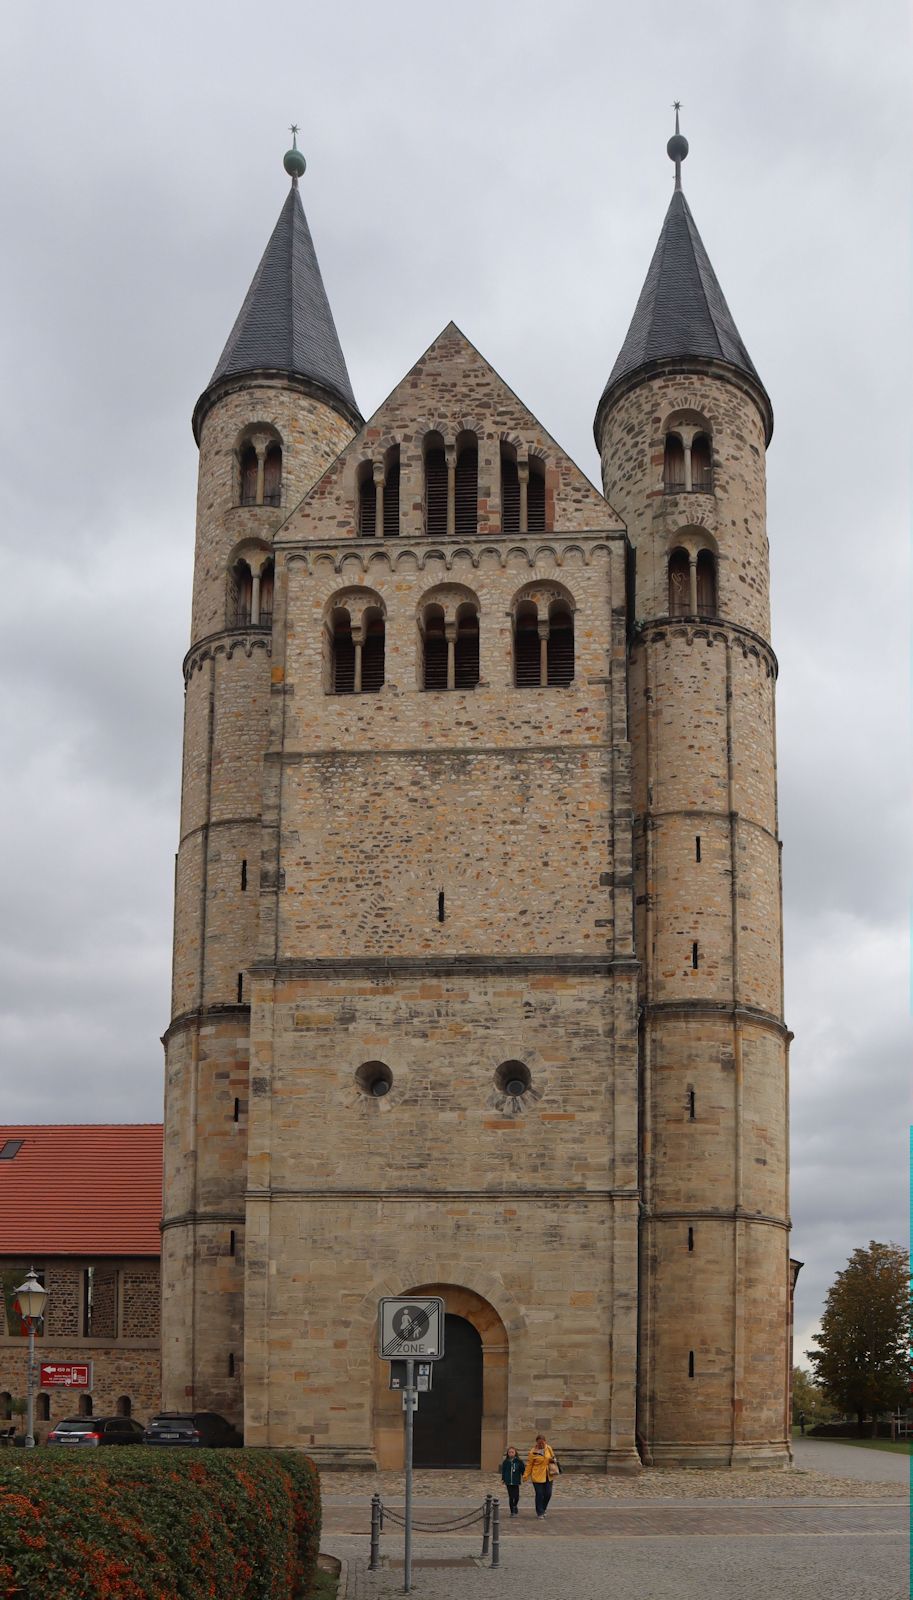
410	1328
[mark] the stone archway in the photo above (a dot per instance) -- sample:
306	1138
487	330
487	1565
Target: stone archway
388	1406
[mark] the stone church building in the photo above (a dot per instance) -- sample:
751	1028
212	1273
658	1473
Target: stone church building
477	954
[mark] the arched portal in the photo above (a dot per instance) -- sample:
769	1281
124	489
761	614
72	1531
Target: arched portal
463	1422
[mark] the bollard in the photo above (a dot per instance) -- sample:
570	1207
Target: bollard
496	1532
375	1533
486	1524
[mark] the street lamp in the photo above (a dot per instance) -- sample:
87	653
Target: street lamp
31	1296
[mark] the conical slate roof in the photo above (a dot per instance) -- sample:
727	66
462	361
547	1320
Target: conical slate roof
681	311
285	322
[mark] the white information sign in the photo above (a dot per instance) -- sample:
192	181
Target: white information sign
411	1328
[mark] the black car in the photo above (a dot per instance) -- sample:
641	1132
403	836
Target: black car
192	1428
96	1431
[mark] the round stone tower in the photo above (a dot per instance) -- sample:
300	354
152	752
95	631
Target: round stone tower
277	411
682	429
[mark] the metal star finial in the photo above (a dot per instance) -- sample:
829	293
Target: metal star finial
293	130
677	148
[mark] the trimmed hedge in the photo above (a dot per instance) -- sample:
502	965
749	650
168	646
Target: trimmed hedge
167	1524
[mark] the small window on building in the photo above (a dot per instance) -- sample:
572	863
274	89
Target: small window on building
391	495
240	595
706	583
467	490
674	465
466	648
435	487
124	1407
560	653
343	654
434	642
6	1405
535	496
510	491
85	1405
42	1408
372	653
701	468
679	584
10	1149
367	501
527	652
272	476
248	476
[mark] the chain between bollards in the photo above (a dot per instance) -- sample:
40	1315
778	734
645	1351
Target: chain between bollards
375	1533
486	1525
495	1532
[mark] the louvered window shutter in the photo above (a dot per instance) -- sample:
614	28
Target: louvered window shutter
467	493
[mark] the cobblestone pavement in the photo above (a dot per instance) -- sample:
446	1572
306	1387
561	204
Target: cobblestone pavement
852	1461
470	1488
706	1552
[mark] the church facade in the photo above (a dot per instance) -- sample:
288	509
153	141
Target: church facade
477	961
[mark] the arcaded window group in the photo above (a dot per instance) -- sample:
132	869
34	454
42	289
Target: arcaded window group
450	490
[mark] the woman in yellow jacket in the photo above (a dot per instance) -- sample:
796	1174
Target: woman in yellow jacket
541	1467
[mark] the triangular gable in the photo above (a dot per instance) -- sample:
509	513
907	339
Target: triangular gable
451	390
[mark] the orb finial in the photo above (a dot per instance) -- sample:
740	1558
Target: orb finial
677	148
293	161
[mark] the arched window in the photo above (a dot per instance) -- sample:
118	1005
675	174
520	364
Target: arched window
124	1407
434	673
535	501
679	584
466	648
343	646
42	1408
560	652
248	476
674	465
527	652
701	469
367	501
510	491
435	487
372	652
85	1405
267	588
706	583
391	494
240	595
466	517
272	476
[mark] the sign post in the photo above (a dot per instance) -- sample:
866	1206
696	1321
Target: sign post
410	1330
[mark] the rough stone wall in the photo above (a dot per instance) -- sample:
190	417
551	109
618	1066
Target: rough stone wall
708	932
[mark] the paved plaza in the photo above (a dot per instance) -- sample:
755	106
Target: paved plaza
836	1526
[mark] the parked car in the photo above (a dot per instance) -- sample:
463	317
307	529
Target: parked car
96	1431
192	1428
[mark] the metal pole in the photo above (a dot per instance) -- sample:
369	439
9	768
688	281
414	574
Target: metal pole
375	1532
407	1544
486	1524
496	1532
30	1392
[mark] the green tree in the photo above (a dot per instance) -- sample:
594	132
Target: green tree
863	1361
808	1401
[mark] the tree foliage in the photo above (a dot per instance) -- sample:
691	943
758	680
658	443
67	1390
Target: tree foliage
808	1400
863	1361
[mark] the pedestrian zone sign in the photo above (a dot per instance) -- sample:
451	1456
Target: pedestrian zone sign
410	1328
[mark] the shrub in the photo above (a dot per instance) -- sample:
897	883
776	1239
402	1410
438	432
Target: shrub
138	1524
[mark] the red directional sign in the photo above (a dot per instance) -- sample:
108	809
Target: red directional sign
66	1375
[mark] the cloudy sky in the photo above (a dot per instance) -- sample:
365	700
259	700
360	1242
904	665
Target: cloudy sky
502	164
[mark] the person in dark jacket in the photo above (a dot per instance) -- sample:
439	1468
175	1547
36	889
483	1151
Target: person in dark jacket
512	1473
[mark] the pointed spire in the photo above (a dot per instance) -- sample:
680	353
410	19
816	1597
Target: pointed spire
682	314
285	323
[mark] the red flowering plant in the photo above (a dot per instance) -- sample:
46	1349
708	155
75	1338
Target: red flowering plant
135	1524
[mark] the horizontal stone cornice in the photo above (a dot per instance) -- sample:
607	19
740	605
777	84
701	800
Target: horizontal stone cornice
657	1009
193	1219
580	966
408	1196
446	752
715	1214
201	1015
416	553
715	630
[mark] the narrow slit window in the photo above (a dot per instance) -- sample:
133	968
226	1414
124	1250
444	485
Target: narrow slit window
236	1112
691	1363
231	1363
695	958
243	876
440	906
240	987
690	1238
697	847
231	1242
691	1105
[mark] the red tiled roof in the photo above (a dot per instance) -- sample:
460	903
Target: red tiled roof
84	1189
